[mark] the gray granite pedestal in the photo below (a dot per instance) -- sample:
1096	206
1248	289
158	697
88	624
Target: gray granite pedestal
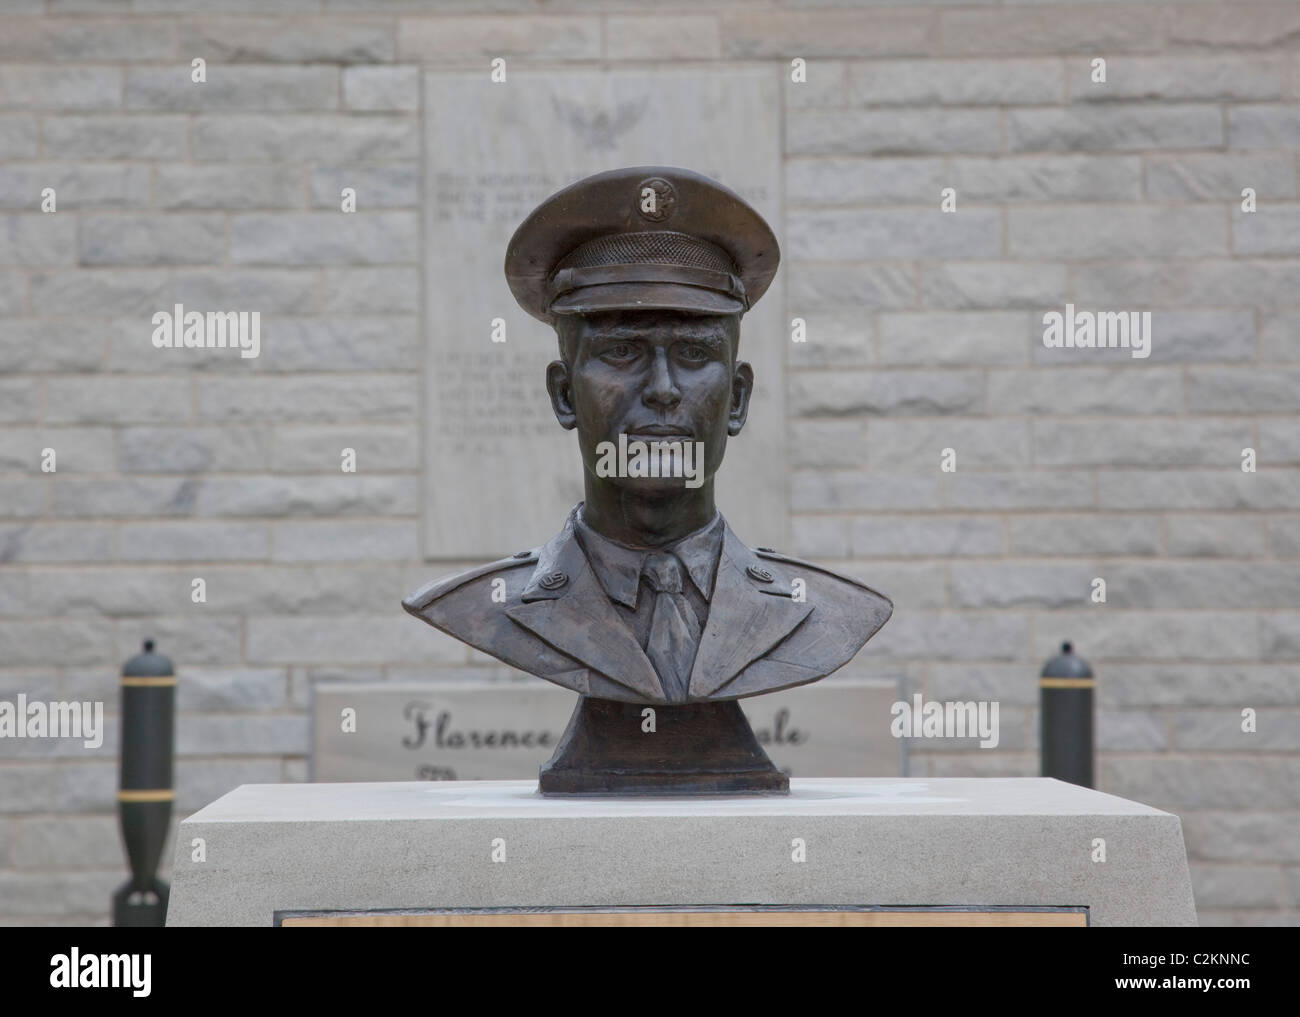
976	843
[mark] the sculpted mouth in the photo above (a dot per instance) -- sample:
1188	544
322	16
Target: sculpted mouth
658	431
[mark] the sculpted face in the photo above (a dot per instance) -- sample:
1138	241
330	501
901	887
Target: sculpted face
652	376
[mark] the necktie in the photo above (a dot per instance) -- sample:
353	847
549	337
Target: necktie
674	626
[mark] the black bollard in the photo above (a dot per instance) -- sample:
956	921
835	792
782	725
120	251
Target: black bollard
1065	699
145	795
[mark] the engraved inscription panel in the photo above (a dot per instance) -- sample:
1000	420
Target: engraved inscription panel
499	472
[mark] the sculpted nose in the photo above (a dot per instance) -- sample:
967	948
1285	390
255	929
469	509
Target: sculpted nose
661	390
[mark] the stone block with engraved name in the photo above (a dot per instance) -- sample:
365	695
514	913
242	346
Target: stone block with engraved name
503	730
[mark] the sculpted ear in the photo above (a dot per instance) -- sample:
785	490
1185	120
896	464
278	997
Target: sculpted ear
557	384
742	387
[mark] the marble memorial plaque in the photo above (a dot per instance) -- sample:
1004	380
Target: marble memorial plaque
499	472
506	730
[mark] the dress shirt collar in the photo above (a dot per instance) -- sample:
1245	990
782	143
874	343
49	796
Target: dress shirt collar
618	567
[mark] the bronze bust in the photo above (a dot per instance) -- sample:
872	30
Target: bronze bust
646	598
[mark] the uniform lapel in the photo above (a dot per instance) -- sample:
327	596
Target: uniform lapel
577	618
744	622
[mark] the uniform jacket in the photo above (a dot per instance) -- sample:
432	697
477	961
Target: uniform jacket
558	623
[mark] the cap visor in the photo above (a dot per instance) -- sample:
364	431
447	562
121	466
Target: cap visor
645	297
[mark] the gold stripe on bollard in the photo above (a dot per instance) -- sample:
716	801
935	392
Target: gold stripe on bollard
166	795
169	680
1067	683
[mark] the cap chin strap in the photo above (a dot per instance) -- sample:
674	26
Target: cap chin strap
568	279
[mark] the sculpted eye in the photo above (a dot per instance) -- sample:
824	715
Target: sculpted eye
695	352
619	351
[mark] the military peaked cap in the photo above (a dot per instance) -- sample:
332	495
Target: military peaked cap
641	238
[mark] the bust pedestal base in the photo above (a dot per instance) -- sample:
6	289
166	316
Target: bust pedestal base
612	748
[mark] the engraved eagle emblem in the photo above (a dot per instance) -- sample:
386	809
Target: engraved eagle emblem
599	127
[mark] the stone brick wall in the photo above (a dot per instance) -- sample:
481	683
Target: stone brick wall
924	334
